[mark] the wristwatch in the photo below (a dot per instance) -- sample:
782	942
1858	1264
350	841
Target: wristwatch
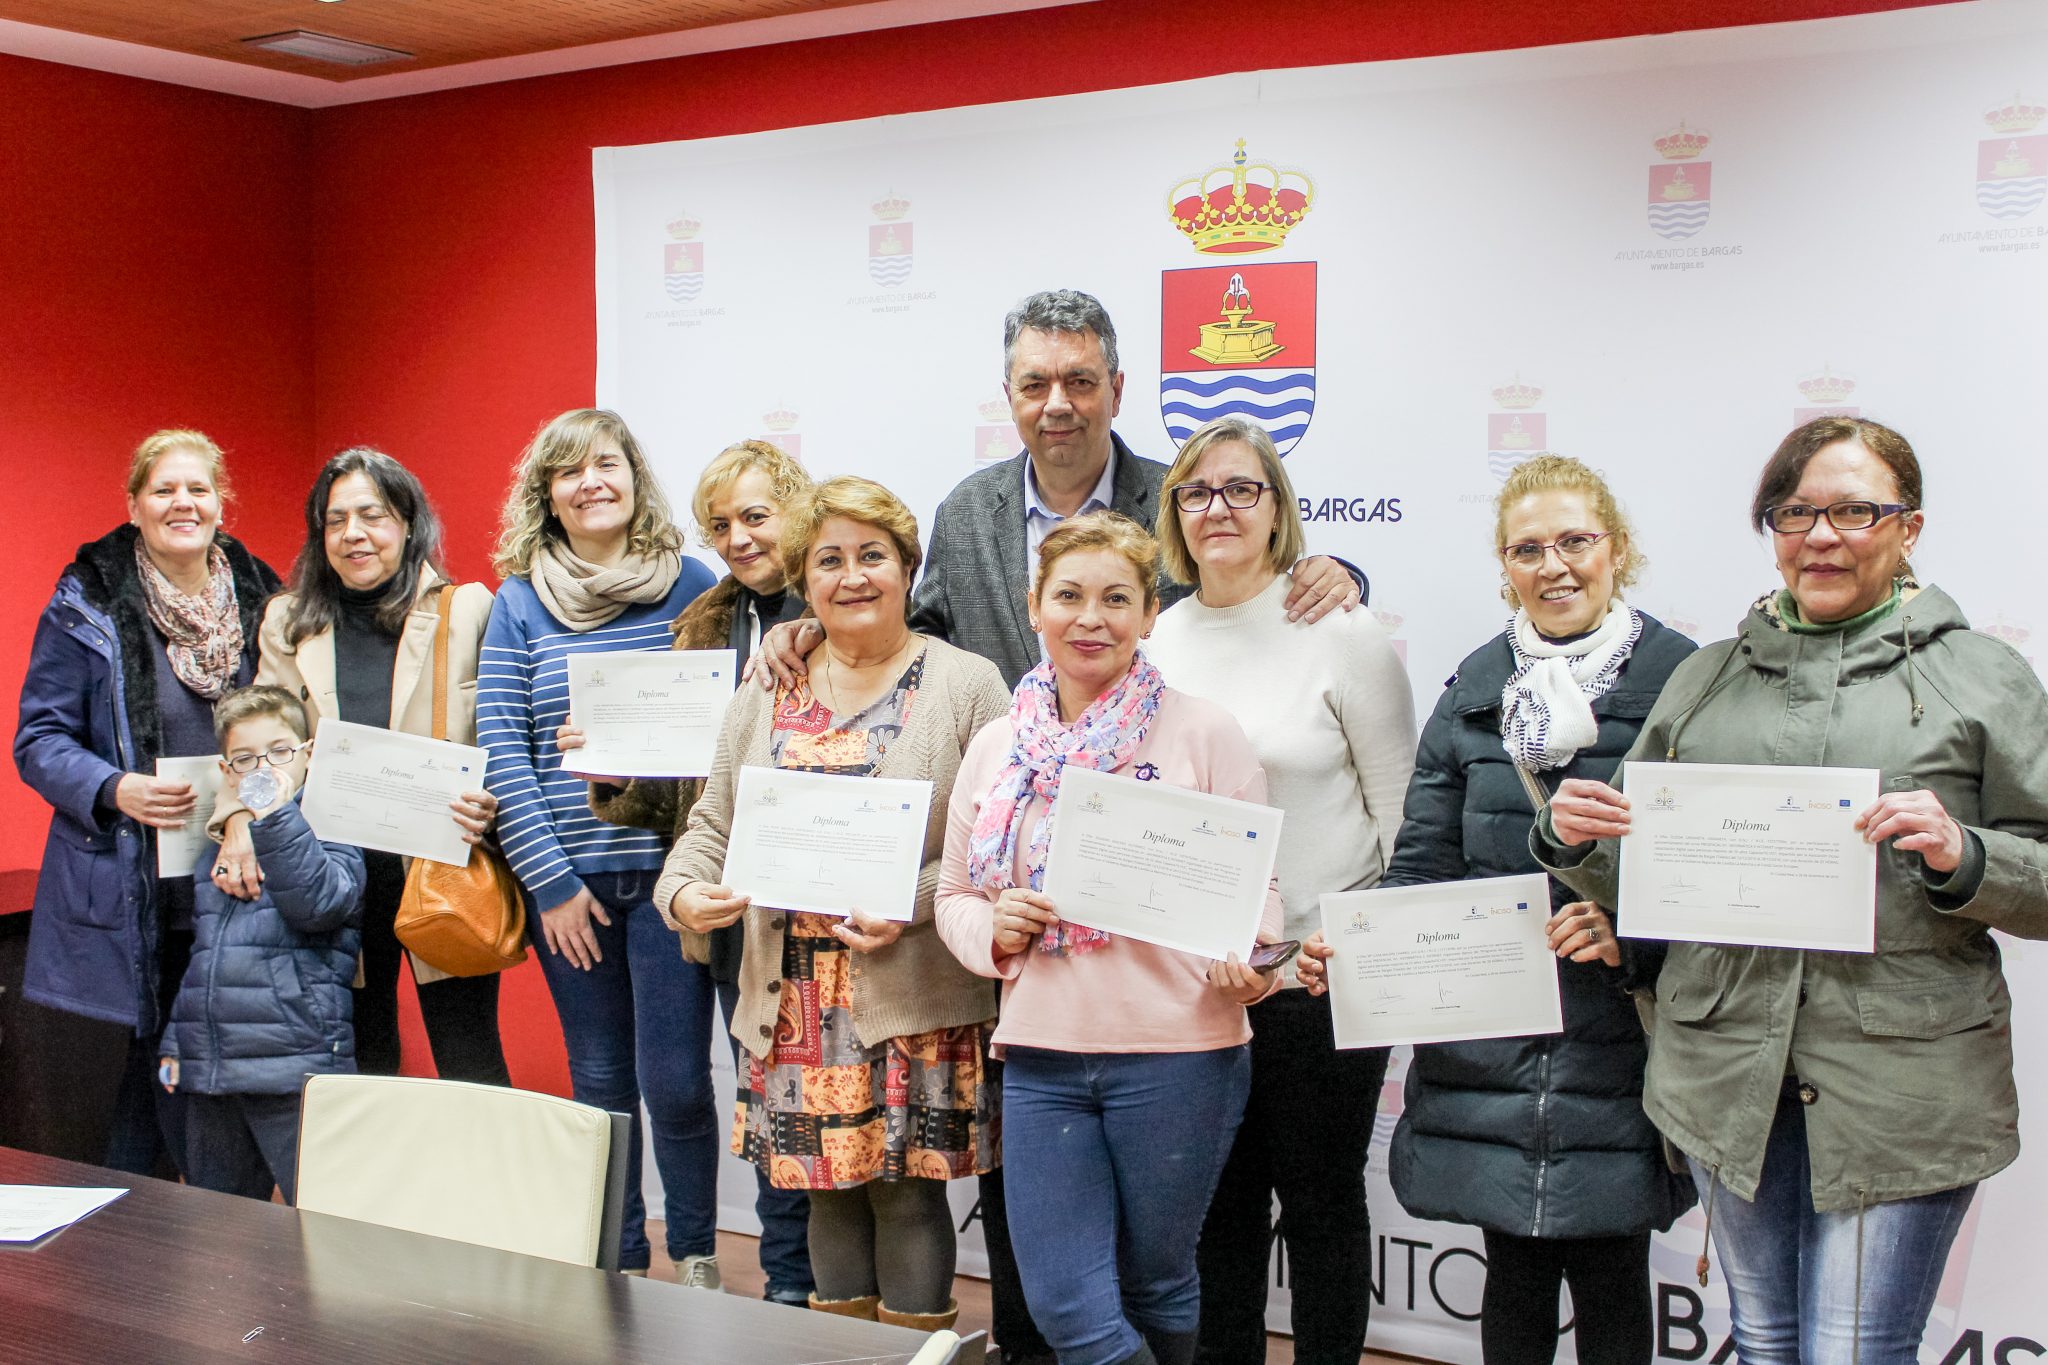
260	789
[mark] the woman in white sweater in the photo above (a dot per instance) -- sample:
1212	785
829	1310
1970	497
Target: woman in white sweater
1328	708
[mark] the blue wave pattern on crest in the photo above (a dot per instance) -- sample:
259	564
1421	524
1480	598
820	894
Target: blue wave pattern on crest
684	288
1675	221
1282	401
889	271
2012	198
1503	462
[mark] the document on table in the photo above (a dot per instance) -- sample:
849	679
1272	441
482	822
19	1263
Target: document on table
1754	855
648	715
1181	869
31	1212
1442	964
178	850
381	789
826	843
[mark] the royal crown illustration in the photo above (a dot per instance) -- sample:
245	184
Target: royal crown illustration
1826	387
1517	394
685	228
2017	116
994	410
1240	338
1389	620
2002	629
891	208
782	419
1253	211
1682	143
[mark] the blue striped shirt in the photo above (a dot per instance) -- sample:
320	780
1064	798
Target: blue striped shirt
551	838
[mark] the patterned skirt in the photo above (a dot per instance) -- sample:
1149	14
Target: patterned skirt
825	1113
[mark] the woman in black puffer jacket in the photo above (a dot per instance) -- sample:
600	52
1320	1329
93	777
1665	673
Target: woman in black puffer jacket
1541	1141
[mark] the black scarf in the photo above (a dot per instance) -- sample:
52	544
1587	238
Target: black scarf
769	609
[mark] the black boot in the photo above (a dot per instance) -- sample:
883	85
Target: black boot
1171	1348
1142	1356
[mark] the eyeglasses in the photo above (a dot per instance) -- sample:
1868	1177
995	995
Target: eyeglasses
1857	514
1571	548
371	517
277	755
1196	497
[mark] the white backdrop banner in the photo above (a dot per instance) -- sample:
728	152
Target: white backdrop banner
1654	254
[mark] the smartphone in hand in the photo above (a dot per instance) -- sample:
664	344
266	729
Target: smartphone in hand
1270	957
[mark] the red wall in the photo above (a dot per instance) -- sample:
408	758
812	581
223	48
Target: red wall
417	273
155	247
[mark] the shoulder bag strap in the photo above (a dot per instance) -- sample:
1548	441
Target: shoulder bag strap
441	662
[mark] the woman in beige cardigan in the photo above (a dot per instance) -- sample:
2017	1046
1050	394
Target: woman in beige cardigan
353	639
864	1081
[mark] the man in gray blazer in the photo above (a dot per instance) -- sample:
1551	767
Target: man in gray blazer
1065	387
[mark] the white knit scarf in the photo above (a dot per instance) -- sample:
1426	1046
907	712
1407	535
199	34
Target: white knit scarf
583	596
1546	712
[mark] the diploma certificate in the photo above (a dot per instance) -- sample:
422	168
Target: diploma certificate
1755	855
1442	964
388	791
1162	864
827	844
178	850
648	715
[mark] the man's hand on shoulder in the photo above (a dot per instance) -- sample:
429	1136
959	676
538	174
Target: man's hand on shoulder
1321	586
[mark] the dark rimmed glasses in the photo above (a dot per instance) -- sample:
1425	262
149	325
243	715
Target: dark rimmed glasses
277	755
1570	548
1196	497
1856	514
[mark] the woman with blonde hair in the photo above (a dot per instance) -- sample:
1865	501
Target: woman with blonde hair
592	564
1125	1064
1542	1142
1328	709
149	626
864	1081
742	500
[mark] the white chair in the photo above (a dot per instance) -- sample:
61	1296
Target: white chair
475	1163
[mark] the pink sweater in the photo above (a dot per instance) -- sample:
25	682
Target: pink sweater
1125	996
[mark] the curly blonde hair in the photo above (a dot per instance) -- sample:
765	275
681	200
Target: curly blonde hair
529	520
786	479
1548	473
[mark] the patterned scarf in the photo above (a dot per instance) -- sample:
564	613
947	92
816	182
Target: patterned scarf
583	596
1546	712
204	633
1103	738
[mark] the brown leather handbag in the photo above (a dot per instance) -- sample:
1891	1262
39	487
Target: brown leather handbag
469	920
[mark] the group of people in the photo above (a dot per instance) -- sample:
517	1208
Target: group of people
1132	1112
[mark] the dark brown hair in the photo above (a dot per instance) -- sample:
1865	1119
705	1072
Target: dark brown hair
1787	465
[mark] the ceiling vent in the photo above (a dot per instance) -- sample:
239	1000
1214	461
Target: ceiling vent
324	47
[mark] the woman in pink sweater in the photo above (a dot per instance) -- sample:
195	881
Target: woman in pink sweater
1125	1064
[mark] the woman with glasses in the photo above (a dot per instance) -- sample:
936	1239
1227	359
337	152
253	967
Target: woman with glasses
1839	1109
1328	710
149	626
1541	1142
353	639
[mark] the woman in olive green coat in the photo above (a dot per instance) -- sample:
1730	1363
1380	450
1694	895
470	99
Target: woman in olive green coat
1839	1108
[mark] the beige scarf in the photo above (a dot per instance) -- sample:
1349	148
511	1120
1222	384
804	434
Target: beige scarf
583	596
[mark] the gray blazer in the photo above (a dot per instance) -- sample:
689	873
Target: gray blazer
976	578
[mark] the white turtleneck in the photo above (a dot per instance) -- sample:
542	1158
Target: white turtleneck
1329	711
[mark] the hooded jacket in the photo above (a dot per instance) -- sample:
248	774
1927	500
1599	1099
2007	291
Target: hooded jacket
88	712
265	1002
1540	1136
1904	1055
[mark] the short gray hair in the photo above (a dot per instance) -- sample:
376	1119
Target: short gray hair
1060	310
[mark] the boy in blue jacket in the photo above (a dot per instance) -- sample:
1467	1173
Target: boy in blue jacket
265	1002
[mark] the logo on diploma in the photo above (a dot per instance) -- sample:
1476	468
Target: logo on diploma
1680	183
769	797
1093	805
597	677
1665	799
1361	923
2012	168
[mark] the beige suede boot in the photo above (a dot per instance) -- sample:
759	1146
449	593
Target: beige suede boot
849	1308
920	1322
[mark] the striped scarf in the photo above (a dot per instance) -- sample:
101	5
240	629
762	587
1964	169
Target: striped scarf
1546	712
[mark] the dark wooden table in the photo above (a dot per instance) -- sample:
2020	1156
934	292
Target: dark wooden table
168	1273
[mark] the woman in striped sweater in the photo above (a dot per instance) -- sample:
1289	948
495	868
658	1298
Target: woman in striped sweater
593	564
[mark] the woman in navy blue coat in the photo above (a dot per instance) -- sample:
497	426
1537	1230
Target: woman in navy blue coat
1542	1142
149	625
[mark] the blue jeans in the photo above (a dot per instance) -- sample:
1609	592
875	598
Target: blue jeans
1110	1160
785	1214
638	1025
1792	1272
